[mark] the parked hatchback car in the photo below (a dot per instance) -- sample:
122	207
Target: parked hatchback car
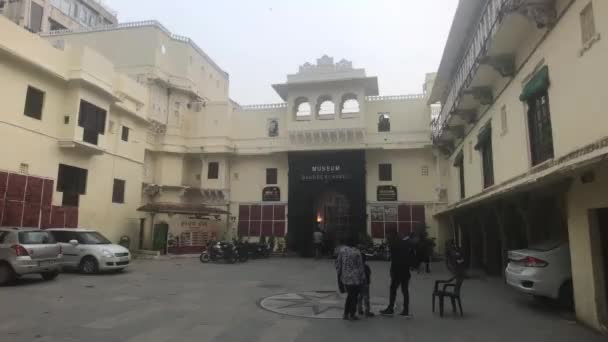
542	270
88	251
28	251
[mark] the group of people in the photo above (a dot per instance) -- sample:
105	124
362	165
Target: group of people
354	276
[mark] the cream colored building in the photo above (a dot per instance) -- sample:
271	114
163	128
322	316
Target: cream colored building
319	151
523	134
72	137
52	15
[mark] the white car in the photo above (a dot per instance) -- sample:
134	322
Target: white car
543	270
90	252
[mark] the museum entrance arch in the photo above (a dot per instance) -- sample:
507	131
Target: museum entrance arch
325	188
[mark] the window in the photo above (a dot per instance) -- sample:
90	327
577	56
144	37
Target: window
36	238
125	133
539	126
24	168
34	101
3	235
385	172
302	107
93	120
504	126
384	122
588	29
271	176
326	106
72	181
350	104
36	13
484	145
214	170
459	163
118	191
60	236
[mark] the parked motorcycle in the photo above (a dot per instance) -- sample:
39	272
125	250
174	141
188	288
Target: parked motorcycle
242	249
220	251
260	250
376	252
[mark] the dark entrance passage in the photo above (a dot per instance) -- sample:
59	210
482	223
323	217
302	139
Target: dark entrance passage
326	188
602	215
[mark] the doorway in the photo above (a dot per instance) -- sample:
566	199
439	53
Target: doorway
326	186
161	231
602	219
332	212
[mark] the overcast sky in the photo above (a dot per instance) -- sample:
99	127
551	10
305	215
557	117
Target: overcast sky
259	42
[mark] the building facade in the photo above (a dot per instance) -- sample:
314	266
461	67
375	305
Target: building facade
524	134
334	153
50	15
73	137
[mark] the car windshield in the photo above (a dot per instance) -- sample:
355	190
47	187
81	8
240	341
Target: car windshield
36	238
546	245
92	238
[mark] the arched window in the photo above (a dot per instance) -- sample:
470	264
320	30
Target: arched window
302	107
326	106
350	104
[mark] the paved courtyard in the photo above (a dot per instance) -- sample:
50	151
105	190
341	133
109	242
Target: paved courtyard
184	300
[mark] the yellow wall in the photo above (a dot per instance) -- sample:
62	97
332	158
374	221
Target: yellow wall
576	87
36	142
587	269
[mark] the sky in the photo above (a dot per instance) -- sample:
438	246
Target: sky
259	42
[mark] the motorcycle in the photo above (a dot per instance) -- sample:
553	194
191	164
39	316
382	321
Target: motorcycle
242	249
261	250
220	251
382	252
376	252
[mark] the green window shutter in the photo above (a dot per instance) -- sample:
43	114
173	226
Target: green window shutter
538	84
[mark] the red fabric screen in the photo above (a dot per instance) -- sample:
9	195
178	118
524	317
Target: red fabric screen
16	187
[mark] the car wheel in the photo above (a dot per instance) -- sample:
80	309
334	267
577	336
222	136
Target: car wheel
7	275
566	295
50	275
88	265
204	258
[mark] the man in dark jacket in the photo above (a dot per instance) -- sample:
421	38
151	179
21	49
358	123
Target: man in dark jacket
403	257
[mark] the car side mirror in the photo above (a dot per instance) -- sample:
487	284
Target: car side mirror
73	242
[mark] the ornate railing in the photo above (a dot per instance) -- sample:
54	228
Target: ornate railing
136	24
395	97
486	29
264	106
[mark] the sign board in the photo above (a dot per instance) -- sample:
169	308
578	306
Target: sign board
325	172
271	194
387	193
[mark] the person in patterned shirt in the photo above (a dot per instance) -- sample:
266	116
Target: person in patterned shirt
351	276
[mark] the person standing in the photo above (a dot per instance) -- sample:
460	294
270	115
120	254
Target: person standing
403	258
364	293
351	276
317	239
